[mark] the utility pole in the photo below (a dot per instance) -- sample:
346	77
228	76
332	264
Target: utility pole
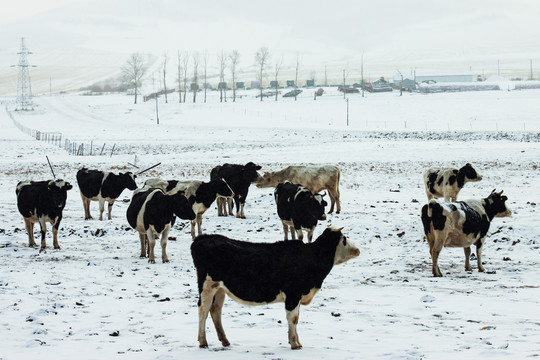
24	89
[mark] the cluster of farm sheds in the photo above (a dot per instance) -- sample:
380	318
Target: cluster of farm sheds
418	83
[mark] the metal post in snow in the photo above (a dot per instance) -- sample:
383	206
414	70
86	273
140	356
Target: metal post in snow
112	149
347	112
103	148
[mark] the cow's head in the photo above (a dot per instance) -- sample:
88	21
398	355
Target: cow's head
312	204
267	180
249	172
128	180
495	205
345	250
58	185
182	207
322	203
221	188
470	173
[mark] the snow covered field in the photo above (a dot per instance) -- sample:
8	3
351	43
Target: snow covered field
70	303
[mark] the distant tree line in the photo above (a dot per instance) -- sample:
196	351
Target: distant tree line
188	73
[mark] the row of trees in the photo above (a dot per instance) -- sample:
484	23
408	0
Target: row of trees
136	68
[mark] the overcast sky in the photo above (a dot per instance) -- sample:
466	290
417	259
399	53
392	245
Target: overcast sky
392	34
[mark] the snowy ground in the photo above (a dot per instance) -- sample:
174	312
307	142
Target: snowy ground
385	304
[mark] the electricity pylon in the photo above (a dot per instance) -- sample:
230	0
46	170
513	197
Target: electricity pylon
24	89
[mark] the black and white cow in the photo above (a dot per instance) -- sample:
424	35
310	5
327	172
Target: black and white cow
461	224
447	182
42	201
152	213
102	186
200	194
239	177
263	273
299	209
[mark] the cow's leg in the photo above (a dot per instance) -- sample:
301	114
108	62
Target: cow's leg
299	233
192	222
215	312
293	232
101	208
293	313
206	297
285	230
219	202
151	244
199	223
164	237
479	255
242	214
142	238
87	211
229	205
310	234
238	204
29	225
435	251
467	258
110	208
43	226
55	235
337	196
86	206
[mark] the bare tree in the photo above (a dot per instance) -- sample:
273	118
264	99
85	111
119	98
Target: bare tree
362	75
165	57
194	83
296	76
276	73
133	72
261	60
234	58
205	58
222	60
179	76
185	63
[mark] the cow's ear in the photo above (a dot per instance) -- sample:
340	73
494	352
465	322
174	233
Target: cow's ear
258	167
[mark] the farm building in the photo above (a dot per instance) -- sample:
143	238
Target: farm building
444	78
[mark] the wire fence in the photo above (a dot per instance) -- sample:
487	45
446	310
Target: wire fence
56	138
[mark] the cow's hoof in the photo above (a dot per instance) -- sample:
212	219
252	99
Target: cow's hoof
42	250
296	347
152	261
166	261
203	346
481	270
225	343
468	268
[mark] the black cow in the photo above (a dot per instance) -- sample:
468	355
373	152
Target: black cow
299	209
152	212
261	273
42	201
102	186
461	224
239	177
447	182
200	194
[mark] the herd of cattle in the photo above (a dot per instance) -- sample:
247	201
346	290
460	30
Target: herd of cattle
288	271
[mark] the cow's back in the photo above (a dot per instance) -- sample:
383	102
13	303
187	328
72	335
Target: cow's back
254	272
315	178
